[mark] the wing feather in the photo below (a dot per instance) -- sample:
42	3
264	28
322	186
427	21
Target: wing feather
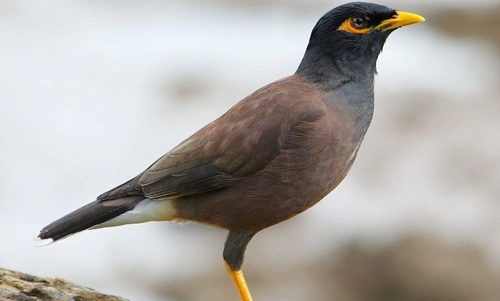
232	147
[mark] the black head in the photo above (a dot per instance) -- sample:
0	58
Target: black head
351	29
353	33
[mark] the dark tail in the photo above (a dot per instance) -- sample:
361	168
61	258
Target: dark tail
88	216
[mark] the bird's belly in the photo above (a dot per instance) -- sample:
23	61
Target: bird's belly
285	189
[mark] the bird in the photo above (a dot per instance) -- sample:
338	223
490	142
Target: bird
271	156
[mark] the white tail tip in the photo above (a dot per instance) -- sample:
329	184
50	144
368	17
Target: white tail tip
42	242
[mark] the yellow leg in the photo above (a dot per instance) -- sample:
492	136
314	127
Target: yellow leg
239	283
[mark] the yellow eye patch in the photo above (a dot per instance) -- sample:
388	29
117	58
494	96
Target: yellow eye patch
349	26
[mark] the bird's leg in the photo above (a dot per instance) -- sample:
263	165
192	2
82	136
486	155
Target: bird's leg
234	251
240	283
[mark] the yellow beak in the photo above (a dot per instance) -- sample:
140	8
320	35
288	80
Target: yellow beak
399	20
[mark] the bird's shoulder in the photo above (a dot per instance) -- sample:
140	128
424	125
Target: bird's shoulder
248	135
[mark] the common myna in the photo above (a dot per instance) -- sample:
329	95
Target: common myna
273	155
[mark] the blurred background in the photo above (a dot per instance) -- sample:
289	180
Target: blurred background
92	92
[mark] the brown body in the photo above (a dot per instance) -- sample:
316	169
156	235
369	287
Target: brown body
270	167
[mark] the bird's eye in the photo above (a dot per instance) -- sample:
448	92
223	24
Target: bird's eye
358	22
356	25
